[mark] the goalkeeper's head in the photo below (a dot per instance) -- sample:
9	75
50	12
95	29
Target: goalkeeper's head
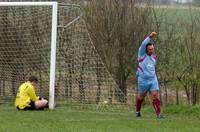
33	80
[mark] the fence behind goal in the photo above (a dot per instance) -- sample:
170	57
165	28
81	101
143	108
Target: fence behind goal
25	49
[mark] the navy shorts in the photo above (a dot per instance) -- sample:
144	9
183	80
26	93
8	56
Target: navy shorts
31	107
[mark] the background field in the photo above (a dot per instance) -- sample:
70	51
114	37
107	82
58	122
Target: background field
70	119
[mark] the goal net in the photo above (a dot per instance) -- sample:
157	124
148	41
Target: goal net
78	74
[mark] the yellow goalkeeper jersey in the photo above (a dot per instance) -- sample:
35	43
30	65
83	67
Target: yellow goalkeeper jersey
25	95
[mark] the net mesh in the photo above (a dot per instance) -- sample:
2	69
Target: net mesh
25	41
25	36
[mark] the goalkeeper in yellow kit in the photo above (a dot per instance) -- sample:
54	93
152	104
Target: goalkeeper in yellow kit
26	98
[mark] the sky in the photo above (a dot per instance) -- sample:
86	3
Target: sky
183	0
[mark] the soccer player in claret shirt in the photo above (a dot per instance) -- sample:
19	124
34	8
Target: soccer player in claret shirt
146	74
26	98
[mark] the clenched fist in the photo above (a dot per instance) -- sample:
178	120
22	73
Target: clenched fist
153	34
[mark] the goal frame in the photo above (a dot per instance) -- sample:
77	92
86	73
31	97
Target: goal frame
53	42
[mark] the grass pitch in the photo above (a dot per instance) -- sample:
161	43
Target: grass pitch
67	119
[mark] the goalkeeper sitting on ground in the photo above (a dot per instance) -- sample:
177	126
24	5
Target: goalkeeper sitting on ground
26	98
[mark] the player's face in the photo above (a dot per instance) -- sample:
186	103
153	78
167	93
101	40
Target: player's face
34	84
150	49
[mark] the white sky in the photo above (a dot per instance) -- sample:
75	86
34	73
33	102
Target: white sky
183	0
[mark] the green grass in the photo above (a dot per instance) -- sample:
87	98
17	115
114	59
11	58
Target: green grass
67	119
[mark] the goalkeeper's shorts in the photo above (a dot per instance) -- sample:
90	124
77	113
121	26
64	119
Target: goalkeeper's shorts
30	107
147	85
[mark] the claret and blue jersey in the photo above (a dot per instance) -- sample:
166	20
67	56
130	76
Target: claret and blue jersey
146	66
147	79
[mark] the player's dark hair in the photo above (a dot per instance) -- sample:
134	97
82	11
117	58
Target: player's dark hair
33	79
149	44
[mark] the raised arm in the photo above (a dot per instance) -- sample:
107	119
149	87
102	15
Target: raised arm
142	49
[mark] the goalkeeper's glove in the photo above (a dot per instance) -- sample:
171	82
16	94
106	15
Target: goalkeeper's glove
40	98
